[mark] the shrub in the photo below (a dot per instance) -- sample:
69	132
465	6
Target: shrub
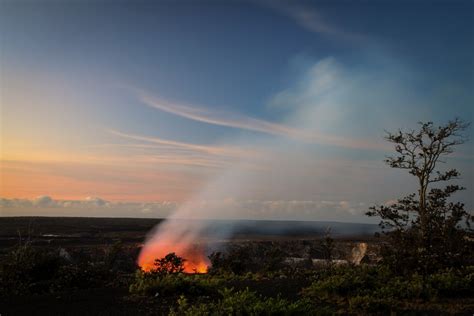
185	309
243	258
243	303
27	270
414	287
453	283
344	282
327	246
362	305
169	264
173	284
81	276
119	258
379	284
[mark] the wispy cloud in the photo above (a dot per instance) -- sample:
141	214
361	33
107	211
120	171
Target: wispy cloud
227	119
230	151
312	20
234	120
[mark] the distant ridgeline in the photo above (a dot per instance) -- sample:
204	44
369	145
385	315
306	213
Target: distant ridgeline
291	228
37	226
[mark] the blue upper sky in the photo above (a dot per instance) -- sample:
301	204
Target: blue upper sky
95	78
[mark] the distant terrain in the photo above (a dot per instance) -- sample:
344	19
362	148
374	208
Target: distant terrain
91	230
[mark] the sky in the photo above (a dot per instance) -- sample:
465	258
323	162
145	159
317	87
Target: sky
258	109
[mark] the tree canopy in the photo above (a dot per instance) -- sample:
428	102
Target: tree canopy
426	226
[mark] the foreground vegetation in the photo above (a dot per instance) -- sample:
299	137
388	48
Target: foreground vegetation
28	270
332	290
238	288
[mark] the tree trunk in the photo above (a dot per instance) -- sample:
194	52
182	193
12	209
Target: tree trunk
422	210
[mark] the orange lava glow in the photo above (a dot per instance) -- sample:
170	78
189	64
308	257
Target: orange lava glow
196	261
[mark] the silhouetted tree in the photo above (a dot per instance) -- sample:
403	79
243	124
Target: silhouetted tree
327	246
169	264
425	228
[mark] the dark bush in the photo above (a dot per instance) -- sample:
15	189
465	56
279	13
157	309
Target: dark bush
27	270
453	283
120	258
84	276
363	305
243	303
344	281
169	264
381	285
243	258
146	283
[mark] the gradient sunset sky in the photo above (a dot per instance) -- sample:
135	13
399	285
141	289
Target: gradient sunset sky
271	109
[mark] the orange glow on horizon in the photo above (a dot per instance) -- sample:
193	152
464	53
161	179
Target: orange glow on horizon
76	181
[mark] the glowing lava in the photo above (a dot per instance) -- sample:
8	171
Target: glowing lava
196	261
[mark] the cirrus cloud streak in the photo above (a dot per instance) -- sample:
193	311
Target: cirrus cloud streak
233	120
